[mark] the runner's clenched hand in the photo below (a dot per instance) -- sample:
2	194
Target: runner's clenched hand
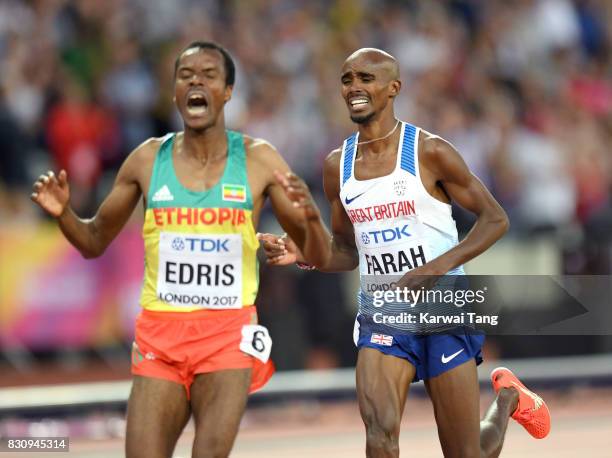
279	250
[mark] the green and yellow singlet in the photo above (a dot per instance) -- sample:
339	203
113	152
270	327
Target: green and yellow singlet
200	247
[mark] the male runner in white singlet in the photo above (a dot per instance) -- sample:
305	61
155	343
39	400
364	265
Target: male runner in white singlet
390	188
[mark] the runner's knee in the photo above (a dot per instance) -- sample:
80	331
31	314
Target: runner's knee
211	447
382	428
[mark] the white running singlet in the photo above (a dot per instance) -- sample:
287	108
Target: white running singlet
398	225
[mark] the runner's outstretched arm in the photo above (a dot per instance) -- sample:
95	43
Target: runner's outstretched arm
341	244
294	207
92	236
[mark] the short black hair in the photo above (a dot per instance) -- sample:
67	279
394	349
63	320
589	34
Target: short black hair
228	62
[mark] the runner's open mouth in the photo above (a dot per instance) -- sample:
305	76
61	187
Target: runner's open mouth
197	101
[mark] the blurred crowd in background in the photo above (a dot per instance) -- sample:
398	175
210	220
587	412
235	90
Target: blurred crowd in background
522	88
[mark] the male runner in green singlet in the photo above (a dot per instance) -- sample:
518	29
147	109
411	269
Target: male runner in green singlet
198	348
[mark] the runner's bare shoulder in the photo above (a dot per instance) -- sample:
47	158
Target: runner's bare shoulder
264	155
333	159
331	172
432	146
140	161
258	148
147	150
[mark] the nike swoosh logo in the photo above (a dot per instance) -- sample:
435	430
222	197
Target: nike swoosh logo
347	201
537	400
446	359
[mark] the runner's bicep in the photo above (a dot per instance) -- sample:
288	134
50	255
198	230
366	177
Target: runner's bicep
461	185
118	206
472	196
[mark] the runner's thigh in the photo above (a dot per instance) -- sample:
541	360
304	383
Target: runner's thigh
157	413
455	395
218	401
382	387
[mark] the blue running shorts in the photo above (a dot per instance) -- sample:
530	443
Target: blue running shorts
430	354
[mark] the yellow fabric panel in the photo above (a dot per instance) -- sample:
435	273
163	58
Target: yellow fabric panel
197	221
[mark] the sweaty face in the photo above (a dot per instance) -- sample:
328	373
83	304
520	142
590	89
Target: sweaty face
199	87
365	89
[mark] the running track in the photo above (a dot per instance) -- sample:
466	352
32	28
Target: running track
582	427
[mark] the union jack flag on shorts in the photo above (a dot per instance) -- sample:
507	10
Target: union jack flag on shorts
382	339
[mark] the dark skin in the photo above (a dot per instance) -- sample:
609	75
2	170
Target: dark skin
199	157
370	82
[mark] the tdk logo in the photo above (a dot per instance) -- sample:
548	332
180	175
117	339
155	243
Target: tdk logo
178	244
386	235
201	245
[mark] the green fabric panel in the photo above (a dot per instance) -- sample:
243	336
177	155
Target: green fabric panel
166	191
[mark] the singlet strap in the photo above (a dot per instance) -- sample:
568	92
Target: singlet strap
408	149
159	174
348	153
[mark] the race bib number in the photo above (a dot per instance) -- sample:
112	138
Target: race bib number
200	270
256	342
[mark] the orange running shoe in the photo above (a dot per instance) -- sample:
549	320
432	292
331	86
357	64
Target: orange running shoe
532	412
